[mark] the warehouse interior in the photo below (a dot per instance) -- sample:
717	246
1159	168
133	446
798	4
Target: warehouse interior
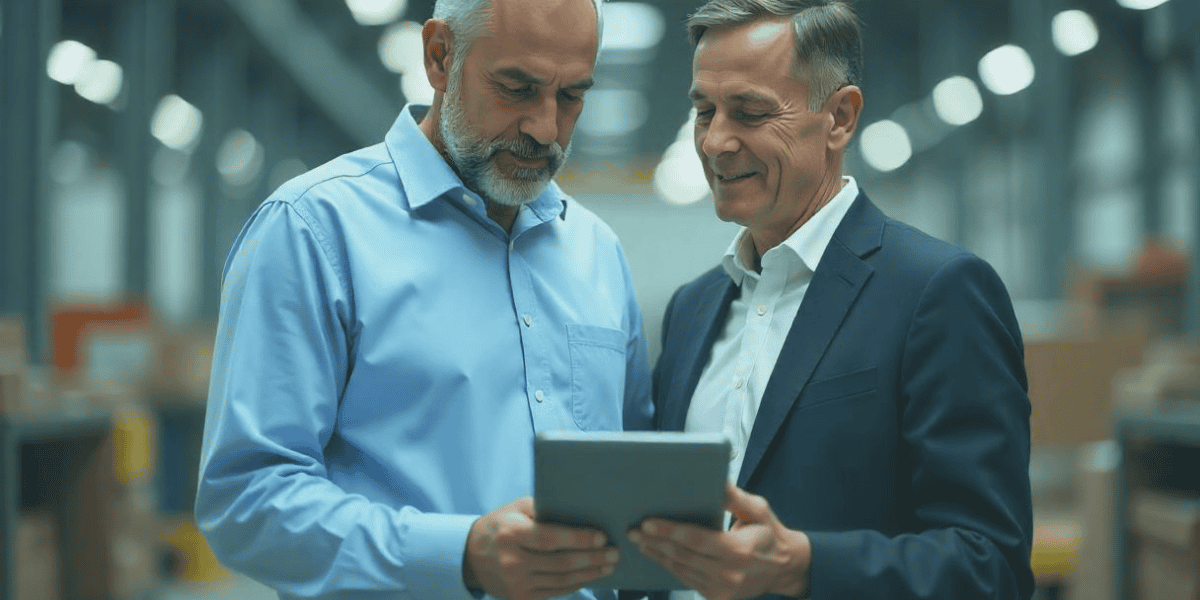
1057	139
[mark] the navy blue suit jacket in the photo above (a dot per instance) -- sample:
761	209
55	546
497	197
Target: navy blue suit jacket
894	429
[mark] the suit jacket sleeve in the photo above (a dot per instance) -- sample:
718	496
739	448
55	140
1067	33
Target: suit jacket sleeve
964	415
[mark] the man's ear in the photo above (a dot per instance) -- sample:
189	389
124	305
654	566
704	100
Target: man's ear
438	41
846	106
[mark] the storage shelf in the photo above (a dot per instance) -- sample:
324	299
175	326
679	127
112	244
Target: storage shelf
78	451
1167	435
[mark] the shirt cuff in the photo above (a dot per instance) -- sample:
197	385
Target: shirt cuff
433	566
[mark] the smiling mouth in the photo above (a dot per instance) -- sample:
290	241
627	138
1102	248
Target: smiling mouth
733	178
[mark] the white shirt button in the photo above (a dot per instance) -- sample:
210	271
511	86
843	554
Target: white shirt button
510	245
528	320
469	199
762	309
737	382
539	395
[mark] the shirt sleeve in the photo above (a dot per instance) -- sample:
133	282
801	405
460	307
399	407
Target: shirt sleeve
281	362
965	425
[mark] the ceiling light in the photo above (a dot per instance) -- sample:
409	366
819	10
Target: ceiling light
101	82
401	48
1140	4
1006	70
240	158
68	60
375	12
1074	32
885	145
631	26
176	123
956	100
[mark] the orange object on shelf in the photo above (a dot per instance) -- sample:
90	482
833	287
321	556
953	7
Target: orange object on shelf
69	325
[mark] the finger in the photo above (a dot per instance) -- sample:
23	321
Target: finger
746	507
561	584
695	538
687	571
568	561
551	538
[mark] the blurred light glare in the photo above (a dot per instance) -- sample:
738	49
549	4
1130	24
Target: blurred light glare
679	178
401	49
885	146
68	61
375	12
176	123
240	158
1140	4
611	113
416	88
101	83
1074	32
1006	70
957	100
631	26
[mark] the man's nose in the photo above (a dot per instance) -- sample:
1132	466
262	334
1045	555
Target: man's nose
541	121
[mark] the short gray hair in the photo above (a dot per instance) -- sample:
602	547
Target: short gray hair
825	34
469	19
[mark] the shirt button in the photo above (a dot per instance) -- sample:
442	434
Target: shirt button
469	199
528	320
762	309
539	395
737	382
510	245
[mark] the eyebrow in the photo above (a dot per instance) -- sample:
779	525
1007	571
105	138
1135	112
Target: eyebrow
521	76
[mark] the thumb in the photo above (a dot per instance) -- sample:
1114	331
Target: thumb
746	507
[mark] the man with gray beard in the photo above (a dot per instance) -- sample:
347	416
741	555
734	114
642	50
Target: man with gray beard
398	324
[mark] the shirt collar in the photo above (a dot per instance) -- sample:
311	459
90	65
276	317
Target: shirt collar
807	243
426	176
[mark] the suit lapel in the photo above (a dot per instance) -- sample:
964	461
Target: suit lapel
706	324
835	285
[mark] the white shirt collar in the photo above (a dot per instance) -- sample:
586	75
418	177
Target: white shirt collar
807	243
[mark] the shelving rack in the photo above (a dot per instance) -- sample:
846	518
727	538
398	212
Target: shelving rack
1157	449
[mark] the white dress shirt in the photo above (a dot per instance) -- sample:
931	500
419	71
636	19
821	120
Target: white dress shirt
743	356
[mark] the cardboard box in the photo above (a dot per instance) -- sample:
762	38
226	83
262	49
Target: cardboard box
14	361
37	558
1071	384
1162	572
1094	578
1172	520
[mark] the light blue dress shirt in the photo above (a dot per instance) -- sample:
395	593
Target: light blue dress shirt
386	354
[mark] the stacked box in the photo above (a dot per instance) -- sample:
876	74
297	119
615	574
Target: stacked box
13	363
37	561
1166	528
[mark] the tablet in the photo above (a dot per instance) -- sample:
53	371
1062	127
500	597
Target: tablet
612	480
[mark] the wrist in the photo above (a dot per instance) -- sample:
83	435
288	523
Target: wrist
793	582
468	571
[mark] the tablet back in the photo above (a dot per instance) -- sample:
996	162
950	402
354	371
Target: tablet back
612	480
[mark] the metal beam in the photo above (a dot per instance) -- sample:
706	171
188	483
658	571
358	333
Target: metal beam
337	85
28	120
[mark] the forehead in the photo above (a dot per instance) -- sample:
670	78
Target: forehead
741	62
550	39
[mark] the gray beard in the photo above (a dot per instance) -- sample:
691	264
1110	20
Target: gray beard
474	158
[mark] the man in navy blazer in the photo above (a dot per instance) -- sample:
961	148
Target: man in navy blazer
870	377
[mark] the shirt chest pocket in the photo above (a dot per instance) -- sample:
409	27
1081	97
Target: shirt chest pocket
597	376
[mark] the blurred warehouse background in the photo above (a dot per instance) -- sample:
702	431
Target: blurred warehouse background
1057	139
